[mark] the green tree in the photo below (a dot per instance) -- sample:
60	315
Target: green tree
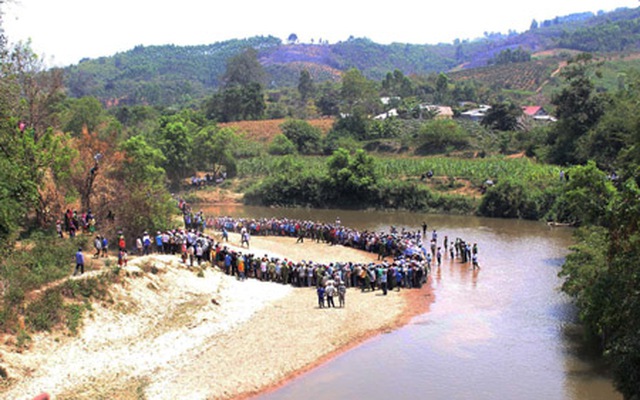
175	140
85	113
33	157
242	96
329	99
213	150
503	117
578	108
236	103
587	194
440	135
353	178
244	69
254	104
281	145
303	135
601	274
306	87
351	125
613	141
144	202
143	163
442	93
509	199
397	84
358	94
509	56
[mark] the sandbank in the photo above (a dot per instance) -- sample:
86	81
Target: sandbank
161	336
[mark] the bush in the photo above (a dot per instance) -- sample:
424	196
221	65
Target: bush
74	317
281	145
439	135
46	312
303	135
84	288
339	139
509	199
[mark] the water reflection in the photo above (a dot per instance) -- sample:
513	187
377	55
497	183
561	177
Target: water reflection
501	332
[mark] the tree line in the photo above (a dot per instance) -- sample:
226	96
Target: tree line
183	75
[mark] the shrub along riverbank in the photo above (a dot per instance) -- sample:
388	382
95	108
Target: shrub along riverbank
517	188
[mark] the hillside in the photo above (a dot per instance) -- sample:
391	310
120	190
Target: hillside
264	130
526	76
181	75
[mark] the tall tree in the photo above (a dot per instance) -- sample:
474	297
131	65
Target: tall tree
41	90
213	150
236	104
306	88
329	99
144	202
175	140
397	84
85	113
503	116
34	155
242	96
243	69
442	94
578	108
98	158
358	94
305	136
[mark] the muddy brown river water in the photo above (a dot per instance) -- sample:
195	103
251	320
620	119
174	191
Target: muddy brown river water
504	332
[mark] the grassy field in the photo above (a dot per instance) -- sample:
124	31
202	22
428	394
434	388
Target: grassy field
475	170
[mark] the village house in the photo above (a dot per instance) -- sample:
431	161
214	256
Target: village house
476	114
441	112
537	113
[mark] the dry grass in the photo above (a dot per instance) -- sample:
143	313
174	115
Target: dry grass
265	130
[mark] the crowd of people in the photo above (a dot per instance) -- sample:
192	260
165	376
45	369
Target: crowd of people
390	244
208	179
404	258
72	223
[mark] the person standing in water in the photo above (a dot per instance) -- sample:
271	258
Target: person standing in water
474	261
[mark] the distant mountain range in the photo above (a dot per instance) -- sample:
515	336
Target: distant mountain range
177	75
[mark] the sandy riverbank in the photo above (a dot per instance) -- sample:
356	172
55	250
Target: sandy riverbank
163	338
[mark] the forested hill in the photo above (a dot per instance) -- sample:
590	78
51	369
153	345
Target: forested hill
171	75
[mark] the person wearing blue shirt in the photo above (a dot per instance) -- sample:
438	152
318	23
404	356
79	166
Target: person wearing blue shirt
79	263
105	246
320	292
159	244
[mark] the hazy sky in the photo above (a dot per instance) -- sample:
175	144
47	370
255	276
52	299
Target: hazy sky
64	31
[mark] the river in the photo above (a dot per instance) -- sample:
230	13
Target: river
503	332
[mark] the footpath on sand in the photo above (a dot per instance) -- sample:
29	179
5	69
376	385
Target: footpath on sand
161	336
